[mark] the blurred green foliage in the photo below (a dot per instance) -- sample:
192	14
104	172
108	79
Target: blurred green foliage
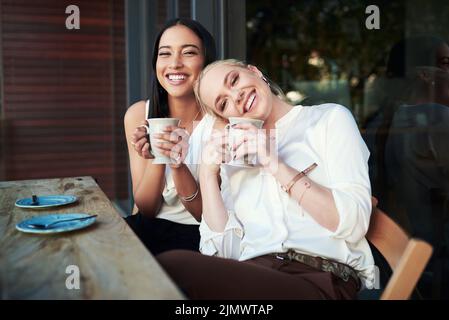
301	41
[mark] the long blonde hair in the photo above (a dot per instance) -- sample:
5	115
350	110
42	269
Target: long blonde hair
275	89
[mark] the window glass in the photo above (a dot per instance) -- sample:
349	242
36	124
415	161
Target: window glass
393	76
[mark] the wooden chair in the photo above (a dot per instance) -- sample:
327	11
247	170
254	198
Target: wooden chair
406	256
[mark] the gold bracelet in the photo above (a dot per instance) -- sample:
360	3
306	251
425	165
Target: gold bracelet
300	175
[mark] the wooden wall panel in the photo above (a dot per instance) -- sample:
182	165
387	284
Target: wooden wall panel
64	92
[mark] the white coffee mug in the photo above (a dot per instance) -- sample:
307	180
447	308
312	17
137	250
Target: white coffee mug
234	134
157	125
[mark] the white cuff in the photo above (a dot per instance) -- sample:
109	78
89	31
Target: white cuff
224	244
354	213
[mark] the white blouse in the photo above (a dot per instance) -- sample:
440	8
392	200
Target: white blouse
172	208
264	219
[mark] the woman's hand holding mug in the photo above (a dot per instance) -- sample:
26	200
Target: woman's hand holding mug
253	143
173	142
215	152
140	141
168	142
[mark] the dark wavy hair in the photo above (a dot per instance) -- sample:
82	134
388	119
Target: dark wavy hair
158	95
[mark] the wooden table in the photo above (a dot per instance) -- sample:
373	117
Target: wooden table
112	262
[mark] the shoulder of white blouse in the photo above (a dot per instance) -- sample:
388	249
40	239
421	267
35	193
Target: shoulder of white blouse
329	107
203	126
333	111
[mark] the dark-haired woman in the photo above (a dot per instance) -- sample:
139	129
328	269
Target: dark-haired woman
167	196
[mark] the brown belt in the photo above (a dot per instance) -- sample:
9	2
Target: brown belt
340	270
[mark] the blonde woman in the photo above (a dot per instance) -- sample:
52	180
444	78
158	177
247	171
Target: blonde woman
292	227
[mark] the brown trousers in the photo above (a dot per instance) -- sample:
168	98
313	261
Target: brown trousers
264	277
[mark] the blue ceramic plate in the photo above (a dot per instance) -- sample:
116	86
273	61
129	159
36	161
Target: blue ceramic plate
45	201
24	226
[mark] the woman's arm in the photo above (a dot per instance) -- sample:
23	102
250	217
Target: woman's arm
316	199
187	186
214	210
221	232
174	143
214	153
344	206
147	179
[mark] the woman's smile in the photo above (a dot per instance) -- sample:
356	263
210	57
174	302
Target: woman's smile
250	102
176	79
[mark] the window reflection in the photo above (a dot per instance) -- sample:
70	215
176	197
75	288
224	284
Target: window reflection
395	82
408	137
320	51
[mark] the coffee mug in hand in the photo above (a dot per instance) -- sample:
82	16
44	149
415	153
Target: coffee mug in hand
157	125
234	134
